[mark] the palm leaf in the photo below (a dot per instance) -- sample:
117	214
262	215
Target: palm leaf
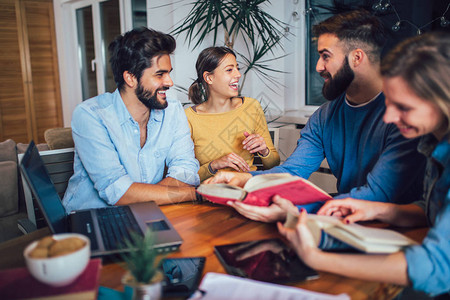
206	16
261	69
255	24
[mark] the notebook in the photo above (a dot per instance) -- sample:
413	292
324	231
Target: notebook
117	221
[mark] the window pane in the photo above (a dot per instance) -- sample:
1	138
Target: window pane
314	82
86	52
110	27
139	8
401	19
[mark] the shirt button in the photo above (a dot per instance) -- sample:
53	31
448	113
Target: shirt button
136	131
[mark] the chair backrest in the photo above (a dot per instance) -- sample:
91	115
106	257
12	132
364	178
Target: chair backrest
275	135
59	138
59	164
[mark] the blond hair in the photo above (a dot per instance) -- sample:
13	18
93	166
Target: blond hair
423	62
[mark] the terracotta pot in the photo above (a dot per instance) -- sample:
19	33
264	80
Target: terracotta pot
143	291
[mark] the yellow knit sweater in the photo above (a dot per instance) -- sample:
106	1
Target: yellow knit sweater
218	134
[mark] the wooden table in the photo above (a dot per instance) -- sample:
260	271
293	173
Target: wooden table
204	225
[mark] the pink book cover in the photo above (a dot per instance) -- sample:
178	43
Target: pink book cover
20	284
299	192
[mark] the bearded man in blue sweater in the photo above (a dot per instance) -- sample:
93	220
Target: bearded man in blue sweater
370	159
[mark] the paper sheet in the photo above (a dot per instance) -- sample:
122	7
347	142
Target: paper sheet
217	286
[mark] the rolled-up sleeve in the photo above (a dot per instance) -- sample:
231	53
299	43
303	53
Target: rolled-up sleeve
429	263
109	156
99	156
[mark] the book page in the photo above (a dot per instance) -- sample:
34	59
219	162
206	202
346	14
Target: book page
325	221
216	286
377	235
267	180
341	234
365	233
222	190
367	239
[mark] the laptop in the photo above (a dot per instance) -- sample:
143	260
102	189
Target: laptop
106	227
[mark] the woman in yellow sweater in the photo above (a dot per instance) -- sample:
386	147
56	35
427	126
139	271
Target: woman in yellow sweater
227	130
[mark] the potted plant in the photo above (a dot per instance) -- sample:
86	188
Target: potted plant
143	277
259	30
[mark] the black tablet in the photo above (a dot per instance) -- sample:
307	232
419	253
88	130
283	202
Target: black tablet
182	275
269	260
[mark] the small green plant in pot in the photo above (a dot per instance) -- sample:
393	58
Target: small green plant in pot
143	276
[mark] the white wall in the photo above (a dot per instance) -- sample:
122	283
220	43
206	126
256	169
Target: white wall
289	95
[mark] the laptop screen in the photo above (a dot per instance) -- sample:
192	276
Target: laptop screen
44	191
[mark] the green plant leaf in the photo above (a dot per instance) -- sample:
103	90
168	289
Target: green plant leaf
208	16
261	69
140	260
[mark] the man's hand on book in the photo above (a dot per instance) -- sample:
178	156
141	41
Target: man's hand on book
353	210
276	211
232	178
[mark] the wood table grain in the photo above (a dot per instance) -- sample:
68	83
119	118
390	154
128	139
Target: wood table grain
202	226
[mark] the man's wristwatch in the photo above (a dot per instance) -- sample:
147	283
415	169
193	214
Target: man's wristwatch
198	197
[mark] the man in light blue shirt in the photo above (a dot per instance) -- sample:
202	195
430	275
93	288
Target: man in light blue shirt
126	140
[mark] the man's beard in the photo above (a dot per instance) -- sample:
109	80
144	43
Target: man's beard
150	99
338	84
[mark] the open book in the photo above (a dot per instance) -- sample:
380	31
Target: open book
260	189
363	238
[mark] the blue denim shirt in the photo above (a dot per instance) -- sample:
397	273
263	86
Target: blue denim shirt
108	157
429	263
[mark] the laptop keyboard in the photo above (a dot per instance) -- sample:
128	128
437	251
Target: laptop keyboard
116	223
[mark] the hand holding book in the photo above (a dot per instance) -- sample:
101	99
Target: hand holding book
259	190
276	211
363	238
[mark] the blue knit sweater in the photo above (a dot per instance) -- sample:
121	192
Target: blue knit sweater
370	159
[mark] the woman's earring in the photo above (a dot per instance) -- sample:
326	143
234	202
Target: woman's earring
202	91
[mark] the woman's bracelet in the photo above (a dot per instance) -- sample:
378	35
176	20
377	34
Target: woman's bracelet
211	170
264	156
